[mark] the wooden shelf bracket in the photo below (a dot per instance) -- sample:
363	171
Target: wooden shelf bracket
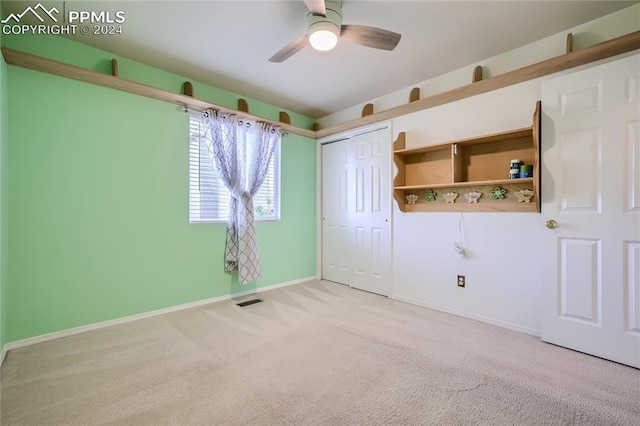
243	105
284	118
477	74
187	88
114	67
414	95
367	110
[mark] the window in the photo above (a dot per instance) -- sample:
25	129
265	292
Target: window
208	197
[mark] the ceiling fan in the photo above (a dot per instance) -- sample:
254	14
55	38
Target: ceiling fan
324	27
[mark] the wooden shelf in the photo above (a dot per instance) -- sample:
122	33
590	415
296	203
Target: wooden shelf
616	46
525	132
477	164
606	49
493	183
38	63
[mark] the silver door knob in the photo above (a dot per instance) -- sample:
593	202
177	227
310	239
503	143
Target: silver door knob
551	224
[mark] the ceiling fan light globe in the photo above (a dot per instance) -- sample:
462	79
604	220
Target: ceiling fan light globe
323	40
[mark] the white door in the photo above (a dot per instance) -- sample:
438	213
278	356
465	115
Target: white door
591	188
336	259
356	211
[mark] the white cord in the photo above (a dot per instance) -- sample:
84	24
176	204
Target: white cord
460	246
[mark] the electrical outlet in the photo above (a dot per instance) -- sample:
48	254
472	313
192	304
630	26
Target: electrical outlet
461	280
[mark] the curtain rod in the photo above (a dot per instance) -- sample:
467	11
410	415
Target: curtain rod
187	109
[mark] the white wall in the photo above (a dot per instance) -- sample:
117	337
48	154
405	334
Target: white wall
503	272
503	269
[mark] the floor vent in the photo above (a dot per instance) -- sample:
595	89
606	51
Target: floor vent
248	302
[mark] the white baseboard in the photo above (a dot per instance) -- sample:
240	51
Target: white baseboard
98	325
492	321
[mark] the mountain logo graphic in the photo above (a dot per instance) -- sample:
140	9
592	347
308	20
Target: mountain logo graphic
34	11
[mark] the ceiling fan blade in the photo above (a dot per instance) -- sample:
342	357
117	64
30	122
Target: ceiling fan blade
316	7
371	36
289	50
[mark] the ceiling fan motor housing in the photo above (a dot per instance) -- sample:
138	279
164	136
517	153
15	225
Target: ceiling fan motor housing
332	22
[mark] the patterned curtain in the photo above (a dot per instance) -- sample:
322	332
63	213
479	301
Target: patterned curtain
241	151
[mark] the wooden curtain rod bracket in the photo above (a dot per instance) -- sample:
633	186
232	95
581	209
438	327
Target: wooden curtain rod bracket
569	42
477	74
367	110
187	88
243	105
114	67
284	118
414	95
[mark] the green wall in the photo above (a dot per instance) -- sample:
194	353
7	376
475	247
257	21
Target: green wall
98	194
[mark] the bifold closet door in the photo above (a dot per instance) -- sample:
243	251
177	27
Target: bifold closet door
356	211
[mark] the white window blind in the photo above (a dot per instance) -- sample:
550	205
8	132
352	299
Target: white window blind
208	197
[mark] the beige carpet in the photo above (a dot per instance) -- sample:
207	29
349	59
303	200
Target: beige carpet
312	354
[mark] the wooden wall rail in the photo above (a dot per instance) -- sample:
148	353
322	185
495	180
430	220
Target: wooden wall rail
606	49
26	60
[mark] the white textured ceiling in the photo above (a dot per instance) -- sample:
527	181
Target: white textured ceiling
228	43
